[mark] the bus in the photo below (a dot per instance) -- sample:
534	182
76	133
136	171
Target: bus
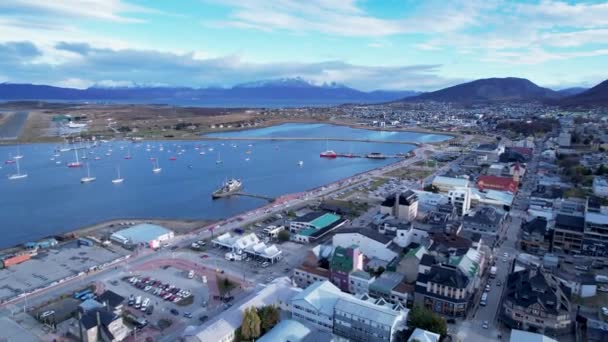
78	295
484	299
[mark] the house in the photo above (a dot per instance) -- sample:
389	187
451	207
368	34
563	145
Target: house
310	272
359	282
371	243
403	206
408	265
444	289
488	153
535	237
460	198
384	286
535	300
497	183
100	325
485	220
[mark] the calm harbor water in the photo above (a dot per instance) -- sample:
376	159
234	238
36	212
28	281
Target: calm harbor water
51	200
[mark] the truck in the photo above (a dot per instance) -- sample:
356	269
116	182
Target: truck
493	271
138	302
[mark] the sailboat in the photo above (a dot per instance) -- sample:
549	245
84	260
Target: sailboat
10	159
77	163
18	175
156	169
219	159
300	163
88	178
118	179
19	155
128	156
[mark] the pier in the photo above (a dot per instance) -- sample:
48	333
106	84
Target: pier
246	194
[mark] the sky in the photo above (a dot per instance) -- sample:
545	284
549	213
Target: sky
367	44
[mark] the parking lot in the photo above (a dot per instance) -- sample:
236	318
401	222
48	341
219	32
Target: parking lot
168	293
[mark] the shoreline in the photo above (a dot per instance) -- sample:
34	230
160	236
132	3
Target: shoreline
202	135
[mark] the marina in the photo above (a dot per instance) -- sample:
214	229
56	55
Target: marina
181	190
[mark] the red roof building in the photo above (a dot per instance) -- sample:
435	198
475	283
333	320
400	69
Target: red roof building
497	183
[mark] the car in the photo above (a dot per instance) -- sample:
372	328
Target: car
150	310
174	311
504	260
485	325
488	288
498	283
203	318
188	314
204	256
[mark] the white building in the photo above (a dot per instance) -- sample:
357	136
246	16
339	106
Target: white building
371	243
248	244
142	234
445	184
600	186
401	205
422	335
222	327
564	139
460	198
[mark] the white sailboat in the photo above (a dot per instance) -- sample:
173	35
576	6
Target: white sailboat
18	175
77	163
300	163
156	168
118	179
19	155
88	178
219	159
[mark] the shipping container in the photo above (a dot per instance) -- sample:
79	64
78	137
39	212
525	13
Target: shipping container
16	259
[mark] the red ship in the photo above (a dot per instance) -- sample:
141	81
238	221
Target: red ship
329	154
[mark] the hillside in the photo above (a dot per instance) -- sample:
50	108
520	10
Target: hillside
489	90
596	96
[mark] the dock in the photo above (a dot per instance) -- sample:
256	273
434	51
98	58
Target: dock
415	143
246	194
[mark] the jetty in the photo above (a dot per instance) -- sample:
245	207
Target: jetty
247	194
416	143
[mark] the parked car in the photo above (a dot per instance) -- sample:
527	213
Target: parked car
203	318
174	311
485	325
188	314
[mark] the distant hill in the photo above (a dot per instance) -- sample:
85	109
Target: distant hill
596	96
572	91
489	90
294	89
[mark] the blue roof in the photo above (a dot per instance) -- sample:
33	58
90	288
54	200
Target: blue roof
142	233
286	330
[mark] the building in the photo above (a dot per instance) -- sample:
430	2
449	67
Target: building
342	263
595	239
313	226
360	320
112	301
359	282
485	220
142	234
535	237
421	335
444	289
306	275
408	265
496	169
600	186
568	234
488	153
526	336
99	325
222	327
347	317
537	301
287	330
445	184
249	245
564	139
388	287
371	243
403	206
497	183
460	198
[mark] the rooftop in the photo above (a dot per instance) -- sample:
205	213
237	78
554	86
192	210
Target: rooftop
286	330
378	313
448	276
370	233
386	282
569	222
142	233
526	336
422	335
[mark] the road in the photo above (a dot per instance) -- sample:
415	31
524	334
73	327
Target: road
472	329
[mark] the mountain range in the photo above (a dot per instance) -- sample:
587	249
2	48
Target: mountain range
292	89
297	92
514	89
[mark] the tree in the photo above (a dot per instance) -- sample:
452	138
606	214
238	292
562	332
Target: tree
425	319
283	235
269	316
250	326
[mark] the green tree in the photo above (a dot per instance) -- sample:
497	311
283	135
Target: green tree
250	327
283	235
425	319
269	316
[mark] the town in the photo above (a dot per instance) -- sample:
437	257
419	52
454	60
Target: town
500	236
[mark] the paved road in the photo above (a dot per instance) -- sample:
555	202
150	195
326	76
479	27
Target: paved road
12	128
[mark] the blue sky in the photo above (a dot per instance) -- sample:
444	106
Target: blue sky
369	44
